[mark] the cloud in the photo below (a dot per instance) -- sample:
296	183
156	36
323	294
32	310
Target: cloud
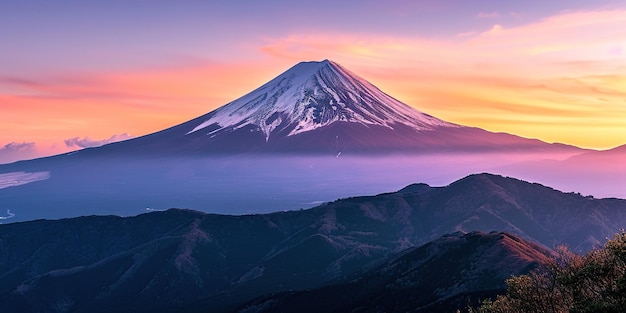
17	147
567	37
488	15
15	151
572	36
578	58
565	71
87	142
51	107
372	50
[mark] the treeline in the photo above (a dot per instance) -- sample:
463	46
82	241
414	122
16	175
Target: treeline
594	282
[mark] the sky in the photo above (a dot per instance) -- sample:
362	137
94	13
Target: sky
76	74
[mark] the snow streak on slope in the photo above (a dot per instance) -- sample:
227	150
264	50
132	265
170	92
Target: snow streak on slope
315	94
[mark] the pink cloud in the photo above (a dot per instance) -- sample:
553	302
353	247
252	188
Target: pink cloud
488	15
565	72
53	106
15	151
87	142
569	36
373	50
17	147
492	72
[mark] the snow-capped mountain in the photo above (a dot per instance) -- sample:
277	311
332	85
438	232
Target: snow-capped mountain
322	108
311	95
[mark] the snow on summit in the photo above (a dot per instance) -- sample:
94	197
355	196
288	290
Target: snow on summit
311	95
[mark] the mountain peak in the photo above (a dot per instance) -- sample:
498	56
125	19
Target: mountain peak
311	95
312	65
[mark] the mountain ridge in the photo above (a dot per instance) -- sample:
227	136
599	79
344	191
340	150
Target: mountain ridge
231	259
443	275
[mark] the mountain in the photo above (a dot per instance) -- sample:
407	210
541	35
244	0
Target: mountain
179	258
310	96
314	133
613	156
322	108
441	276
592	172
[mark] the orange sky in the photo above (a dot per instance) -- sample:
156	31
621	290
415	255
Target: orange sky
561	78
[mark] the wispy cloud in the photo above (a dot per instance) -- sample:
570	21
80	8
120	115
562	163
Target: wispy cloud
567	68
51	107
17	147
577	58
488	15
15	151
86	142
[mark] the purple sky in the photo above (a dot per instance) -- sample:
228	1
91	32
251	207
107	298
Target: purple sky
96	70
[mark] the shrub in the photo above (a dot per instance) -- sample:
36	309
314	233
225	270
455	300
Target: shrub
594	282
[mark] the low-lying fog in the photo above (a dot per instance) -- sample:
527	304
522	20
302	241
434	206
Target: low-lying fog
243	185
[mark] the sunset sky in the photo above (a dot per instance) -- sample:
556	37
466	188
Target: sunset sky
81	73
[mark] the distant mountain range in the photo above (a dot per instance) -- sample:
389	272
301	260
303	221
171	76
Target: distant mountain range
599	173
444	275
373	251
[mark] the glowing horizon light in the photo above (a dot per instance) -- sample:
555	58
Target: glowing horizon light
553	77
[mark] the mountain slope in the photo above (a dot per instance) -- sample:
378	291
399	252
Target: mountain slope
311	95
440	276
170	259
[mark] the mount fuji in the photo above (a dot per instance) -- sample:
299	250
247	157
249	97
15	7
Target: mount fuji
322	108
312	95
315	133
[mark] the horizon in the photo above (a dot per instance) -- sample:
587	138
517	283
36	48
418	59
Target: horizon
535	70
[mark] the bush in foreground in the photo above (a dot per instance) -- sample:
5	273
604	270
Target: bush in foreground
594	282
